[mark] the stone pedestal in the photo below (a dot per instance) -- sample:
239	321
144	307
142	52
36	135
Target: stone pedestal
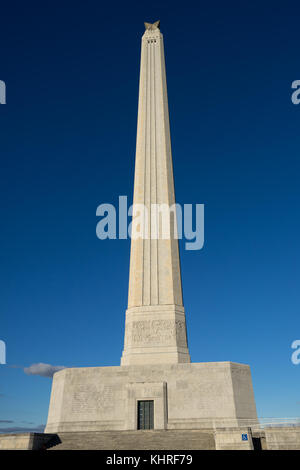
186	396
155	334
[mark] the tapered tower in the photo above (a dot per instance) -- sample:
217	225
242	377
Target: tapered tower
155	329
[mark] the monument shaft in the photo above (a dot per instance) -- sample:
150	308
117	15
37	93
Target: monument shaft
155	330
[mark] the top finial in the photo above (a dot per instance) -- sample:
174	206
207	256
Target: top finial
152	27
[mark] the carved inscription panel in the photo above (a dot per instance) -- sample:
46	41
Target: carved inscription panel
91	399
157	332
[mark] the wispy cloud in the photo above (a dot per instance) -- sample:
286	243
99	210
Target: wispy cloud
44	370
6	421
10	429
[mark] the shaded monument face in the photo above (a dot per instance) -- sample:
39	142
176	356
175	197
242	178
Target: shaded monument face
155	329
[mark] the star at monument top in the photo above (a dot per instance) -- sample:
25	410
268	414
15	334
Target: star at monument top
152	26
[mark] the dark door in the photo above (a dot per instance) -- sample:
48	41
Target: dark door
145	414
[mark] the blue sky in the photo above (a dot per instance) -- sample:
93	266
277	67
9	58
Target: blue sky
67	144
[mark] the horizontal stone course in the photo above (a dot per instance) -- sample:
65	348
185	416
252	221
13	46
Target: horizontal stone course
138	440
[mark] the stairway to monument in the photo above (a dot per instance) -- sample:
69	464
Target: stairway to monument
137	440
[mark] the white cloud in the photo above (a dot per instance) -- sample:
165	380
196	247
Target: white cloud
45	370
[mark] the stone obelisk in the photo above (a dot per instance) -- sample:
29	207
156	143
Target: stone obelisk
156	386
155	329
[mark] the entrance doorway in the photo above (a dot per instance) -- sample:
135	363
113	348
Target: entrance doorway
145	417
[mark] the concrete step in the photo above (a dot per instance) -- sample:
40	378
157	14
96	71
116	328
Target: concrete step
137	440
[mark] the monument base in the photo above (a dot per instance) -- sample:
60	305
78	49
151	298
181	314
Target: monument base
183	396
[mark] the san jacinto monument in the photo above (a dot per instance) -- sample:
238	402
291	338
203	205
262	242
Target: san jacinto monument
156	386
